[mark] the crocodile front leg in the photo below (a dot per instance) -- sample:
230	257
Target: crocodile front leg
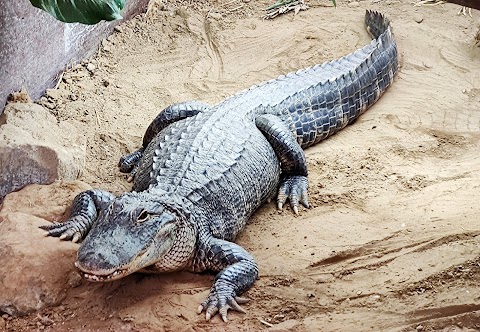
173	113
294	183
85	209
237	271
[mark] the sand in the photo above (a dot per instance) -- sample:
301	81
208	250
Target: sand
391	241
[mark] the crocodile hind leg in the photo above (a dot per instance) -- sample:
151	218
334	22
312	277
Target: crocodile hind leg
173	113
237	271
85	209
294	183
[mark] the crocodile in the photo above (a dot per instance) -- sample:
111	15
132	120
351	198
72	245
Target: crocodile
203	170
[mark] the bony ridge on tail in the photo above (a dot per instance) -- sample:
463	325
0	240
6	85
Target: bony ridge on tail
203	170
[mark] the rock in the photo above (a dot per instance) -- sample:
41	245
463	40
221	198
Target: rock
53	94
50	202
86	85
354	4
118	28
105	45
74	279
21	96
3	324
34	148
91	67
215	15
35	268
285	326
324	278
418	18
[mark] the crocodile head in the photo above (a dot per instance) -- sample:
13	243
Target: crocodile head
135	232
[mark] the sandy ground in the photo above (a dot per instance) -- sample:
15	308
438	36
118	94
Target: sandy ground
391	242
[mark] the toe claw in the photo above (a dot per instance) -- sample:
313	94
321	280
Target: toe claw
221	305
77	236
211	311
223	313
241	300
235	306
295	189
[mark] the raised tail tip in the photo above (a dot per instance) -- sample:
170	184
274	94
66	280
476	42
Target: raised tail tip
376	23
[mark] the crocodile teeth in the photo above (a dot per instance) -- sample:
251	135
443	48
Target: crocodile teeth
93	277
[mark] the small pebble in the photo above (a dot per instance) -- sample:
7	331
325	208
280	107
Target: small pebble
354	4
3	324
118	28
49	105
91	67
215	15
53	93
74	279
418	18
419	328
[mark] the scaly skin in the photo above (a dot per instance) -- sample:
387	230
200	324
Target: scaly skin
203	171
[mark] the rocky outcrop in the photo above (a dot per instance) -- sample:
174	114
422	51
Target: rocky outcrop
34	148
43	46
36	270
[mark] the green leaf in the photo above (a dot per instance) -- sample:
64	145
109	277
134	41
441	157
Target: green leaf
82	11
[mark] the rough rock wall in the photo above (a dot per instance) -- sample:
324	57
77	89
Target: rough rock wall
35	47
34	148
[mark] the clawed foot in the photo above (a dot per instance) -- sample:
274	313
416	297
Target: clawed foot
129	163
295	190
221	304
74	229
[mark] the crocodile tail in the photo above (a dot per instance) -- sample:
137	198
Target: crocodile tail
376	23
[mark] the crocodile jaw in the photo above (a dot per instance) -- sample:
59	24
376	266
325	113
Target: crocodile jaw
154	252
102	276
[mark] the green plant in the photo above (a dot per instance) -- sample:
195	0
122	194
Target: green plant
82	11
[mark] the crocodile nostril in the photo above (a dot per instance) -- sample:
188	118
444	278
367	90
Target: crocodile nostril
91	261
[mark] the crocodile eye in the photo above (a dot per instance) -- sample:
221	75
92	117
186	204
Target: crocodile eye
144	216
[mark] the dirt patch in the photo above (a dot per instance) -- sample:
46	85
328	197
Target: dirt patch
394	224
